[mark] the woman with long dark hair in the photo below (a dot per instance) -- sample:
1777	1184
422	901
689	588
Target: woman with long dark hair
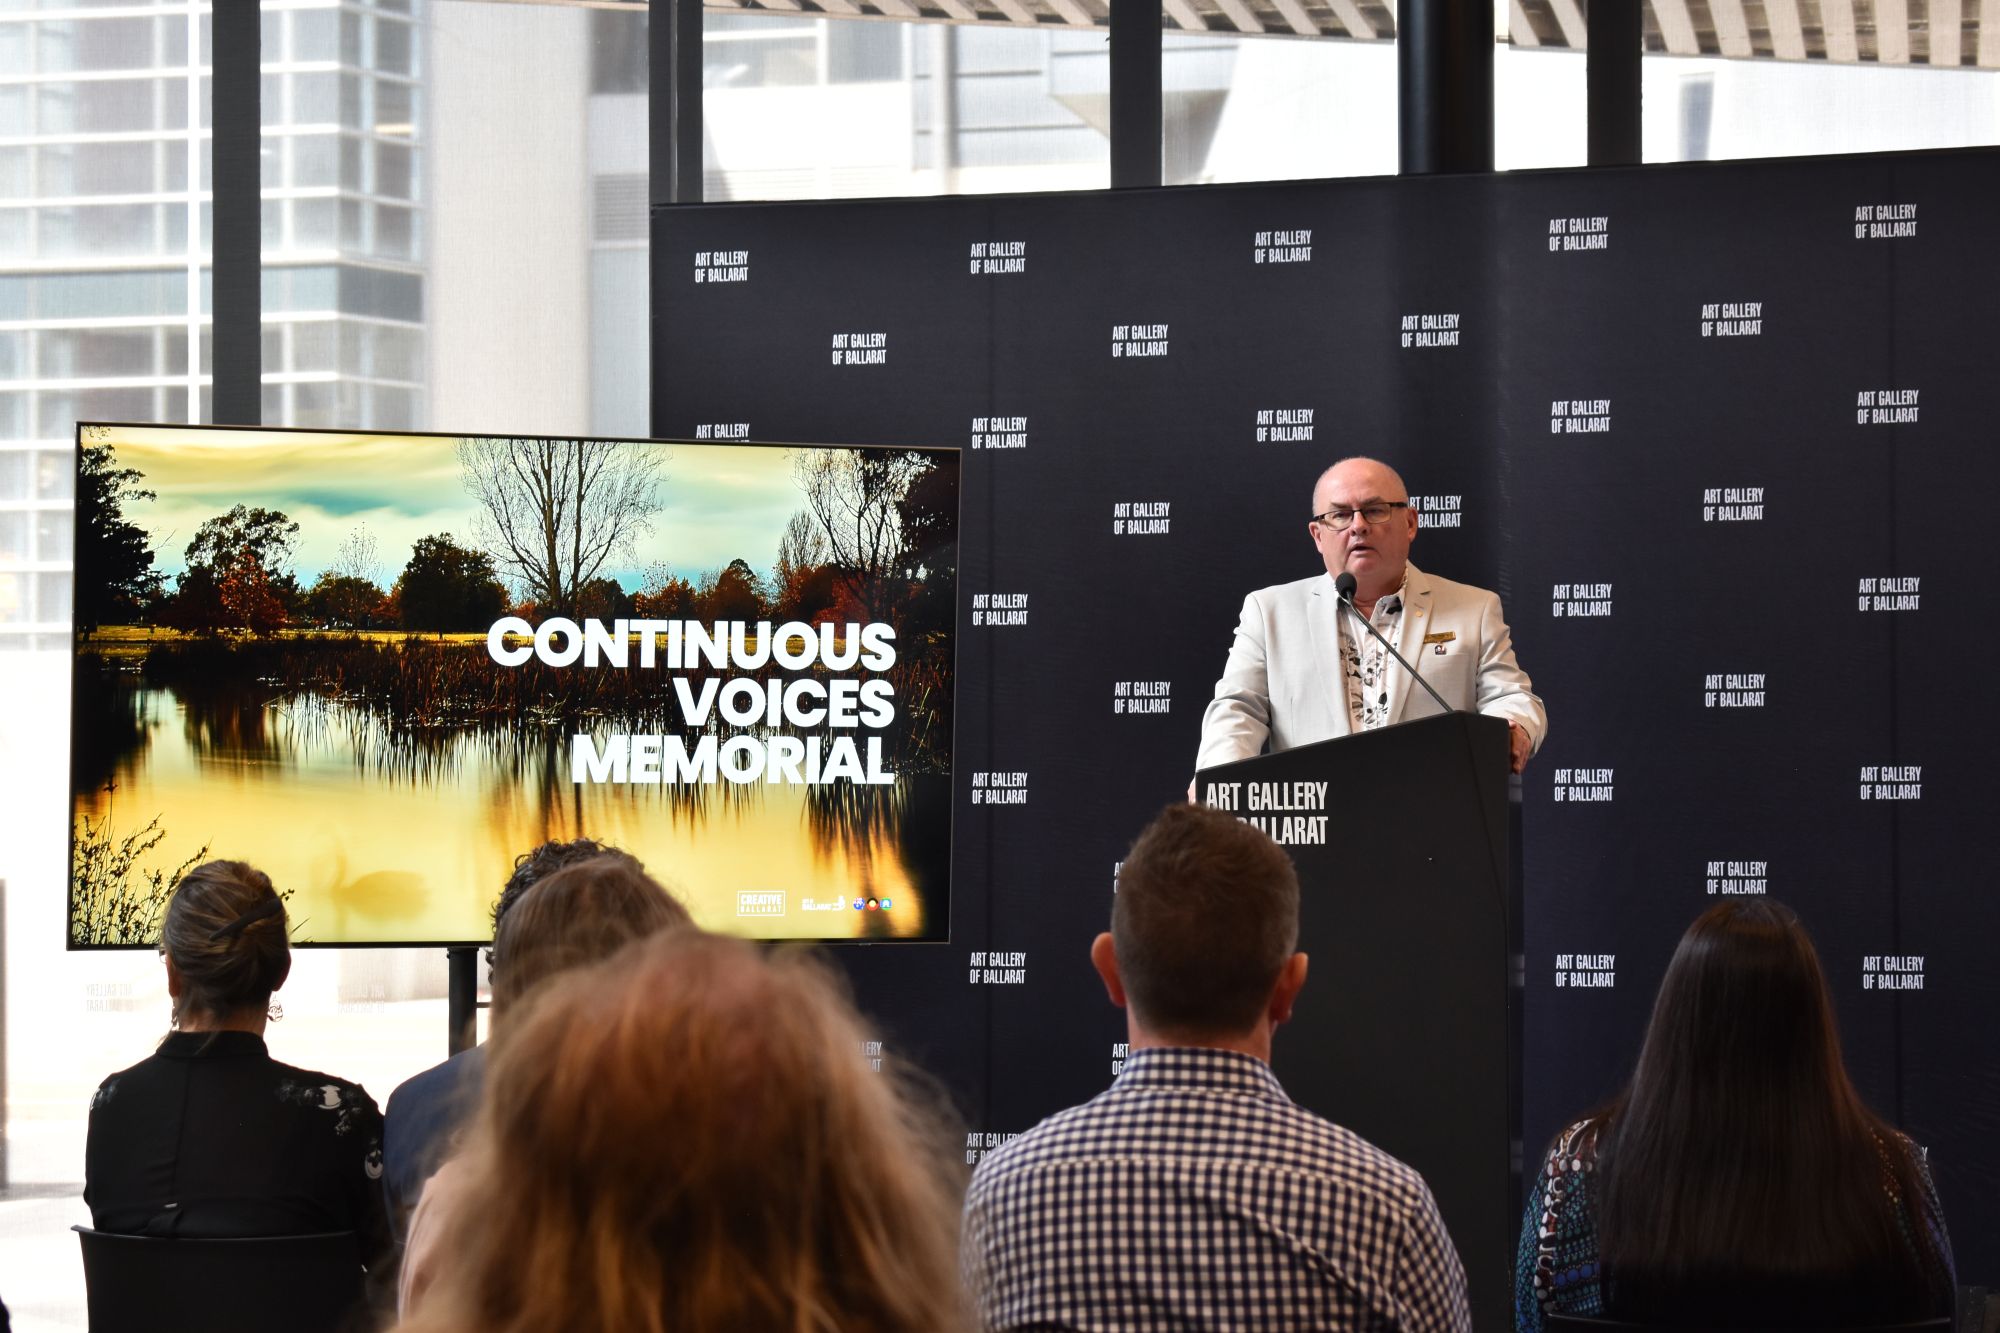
1738	1179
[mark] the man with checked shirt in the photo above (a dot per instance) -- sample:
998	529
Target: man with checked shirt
1192	1194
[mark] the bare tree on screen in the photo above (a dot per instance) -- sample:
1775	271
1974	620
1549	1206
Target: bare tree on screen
554	512
853	495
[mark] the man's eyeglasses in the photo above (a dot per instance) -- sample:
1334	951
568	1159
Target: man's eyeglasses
1375	512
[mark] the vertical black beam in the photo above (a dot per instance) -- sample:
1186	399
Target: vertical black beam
1611	83
461	979
1444	65
1136	123
238	277
673	115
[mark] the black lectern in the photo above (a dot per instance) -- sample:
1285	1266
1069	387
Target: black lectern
1408	1029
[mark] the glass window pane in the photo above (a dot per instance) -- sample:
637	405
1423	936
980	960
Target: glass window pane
315	98
52	535
13	534
315	160
315	223
392	170
316	34
97	353
393	46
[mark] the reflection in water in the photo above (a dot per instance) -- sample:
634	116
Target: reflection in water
405	832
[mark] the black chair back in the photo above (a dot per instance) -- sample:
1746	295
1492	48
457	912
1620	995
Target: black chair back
1560	1323
274	1284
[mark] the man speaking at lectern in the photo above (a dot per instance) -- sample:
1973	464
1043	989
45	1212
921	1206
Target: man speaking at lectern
1302	670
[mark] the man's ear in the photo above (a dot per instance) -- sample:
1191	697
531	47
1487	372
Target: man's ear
1104	957
1291	980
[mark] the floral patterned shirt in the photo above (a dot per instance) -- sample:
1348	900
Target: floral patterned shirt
1367	683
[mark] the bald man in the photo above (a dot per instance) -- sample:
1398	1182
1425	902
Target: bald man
1301	670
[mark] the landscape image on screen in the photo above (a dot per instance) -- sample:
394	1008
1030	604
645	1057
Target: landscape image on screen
380	667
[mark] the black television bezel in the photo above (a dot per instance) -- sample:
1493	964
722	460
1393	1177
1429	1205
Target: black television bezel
957	452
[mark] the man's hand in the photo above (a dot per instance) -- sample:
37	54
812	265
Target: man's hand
1520	746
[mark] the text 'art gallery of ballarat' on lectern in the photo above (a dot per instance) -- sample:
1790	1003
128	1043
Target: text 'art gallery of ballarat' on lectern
1408	1029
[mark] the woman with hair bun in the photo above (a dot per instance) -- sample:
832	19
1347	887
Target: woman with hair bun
209	1136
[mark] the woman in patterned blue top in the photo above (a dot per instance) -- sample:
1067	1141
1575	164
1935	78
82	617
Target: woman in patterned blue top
1738	1180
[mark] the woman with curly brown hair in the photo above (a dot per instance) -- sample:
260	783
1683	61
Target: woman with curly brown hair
688	1138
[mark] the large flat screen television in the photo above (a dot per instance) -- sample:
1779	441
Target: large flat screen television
379	667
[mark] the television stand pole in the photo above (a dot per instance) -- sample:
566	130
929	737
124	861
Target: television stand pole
461	966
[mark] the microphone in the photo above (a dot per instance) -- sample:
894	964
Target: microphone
1343	590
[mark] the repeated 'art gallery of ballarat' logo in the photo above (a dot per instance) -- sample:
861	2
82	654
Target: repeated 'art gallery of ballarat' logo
1142	696
1580	416
1734	878
994	609
999	788
1586	971
1582	786
978	1144
1892	971
989	967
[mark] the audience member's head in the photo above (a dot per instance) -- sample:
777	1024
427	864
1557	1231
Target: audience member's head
1204	929
580	914
687	1137
1741	1146
532	867
224	937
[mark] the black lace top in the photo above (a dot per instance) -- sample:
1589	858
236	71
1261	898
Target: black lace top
212	1137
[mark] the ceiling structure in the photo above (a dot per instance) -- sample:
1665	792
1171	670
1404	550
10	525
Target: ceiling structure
1887	32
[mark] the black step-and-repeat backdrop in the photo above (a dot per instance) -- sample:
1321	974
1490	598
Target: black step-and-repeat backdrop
1723	437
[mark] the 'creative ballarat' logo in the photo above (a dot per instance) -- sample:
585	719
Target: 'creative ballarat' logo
1580	416
1730	878
760	904
1580	600
1892	971
1886	407
712	266
1587	971
1284	425
1890	594
1885	222
999	608
860	349
1733	690
1732	504
999	432
1567	234
1142	696
999	788
1132	340
977	1145
1732	319
1439	511
1284	247
994	257
992	968
1904	782
723	430
1141	518
1431	330
1579	786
